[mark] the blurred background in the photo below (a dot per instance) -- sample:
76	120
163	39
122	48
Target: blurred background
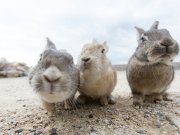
24	25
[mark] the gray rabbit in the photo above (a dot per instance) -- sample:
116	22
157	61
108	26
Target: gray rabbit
150	71
55	78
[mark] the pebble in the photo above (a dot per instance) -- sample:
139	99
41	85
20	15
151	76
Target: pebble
90	116
1	120
14	122
159	114
92	132
35	126
158	125
19	130
140	132
53	131
106	121
45	125
1	125
24	105
76	133
147	114
77	126
32	130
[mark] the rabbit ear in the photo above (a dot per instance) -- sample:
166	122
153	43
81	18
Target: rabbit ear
94	41
50	44
155	25
140	31
105	43
106	46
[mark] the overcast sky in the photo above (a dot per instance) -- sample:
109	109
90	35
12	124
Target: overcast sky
24	25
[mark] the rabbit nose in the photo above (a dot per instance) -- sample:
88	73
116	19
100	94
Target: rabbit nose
51	80
52	74
85	59
166	42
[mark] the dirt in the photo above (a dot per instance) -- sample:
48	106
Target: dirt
21	113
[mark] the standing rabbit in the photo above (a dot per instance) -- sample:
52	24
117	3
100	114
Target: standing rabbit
55	78
150	71
97	76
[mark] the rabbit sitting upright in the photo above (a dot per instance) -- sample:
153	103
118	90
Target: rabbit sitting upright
55	78
150	71
97	76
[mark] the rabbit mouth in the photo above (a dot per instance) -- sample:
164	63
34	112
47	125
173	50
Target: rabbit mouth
51	88
54	98
163	52
85	65
166	56
51	92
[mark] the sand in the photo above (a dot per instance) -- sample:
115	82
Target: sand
21	113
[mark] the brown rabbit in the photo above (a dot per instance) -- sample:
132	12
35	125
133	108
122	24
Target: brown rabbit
150	71
97	76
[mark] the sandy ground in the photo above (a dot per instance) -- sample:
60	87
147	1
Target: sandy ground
21	113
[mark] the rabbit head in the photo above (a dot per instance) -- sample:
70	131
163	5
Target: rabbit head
93	57
55	77
155	45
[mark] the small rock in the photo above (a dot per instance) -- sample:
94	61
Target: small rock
32	130
24	105
45	125
113	117
140	132
97	120
39	118
106	121
90	116
35	126
147	114
1	125
92	131
77	126
160	114
14	122
53	131
76	133
39	132
158	125
19	130
1	120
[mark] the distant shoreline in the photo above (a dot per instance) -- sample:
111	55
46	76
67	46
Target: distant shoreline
122	67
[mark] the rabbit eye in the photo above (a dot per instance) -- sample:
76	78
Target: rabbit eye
40	60
143	39
102	51
40	57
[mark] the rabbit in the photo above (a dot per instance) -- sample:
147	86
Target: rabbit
55	78
97	75
150	70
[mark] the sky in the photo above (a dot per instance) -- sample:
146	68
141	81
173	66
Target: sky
24	25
